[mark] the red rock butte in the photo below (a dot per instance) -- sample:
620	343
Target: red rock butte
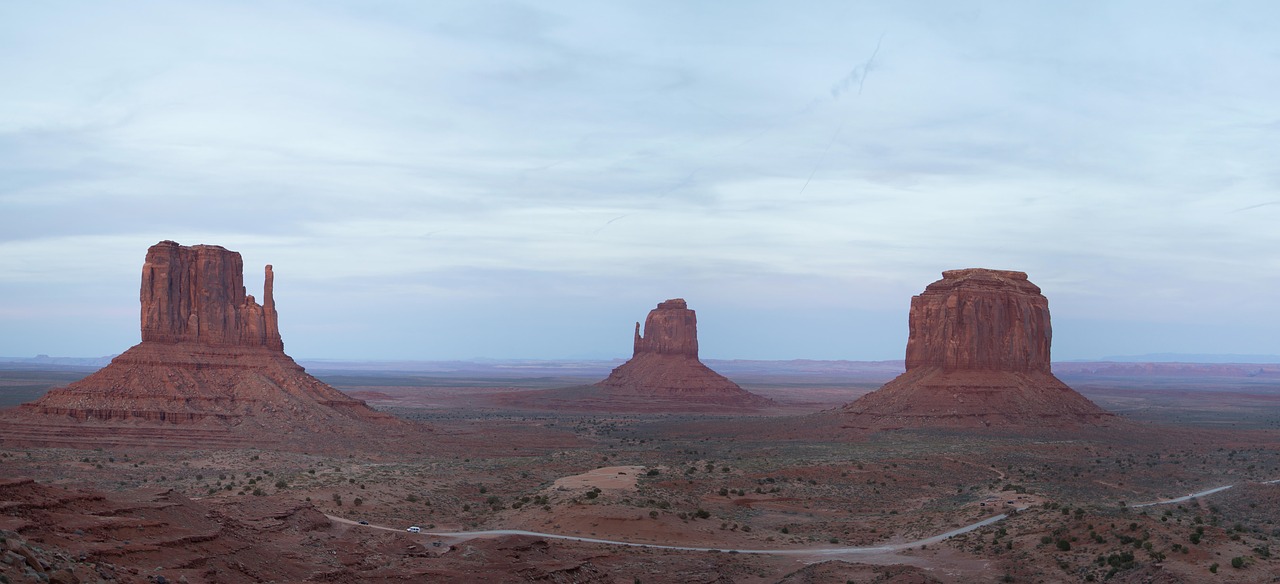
664	364
211	369
977	356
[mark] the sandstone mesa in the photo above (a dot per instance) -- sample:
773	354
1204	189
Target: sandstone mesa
664	363
977	355
211	367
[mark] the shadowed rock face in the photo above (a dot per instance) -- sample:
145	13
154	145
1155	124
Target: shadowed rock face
977	355
211	368
665	363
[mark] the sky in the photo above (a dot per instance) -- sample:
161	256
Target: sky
499	180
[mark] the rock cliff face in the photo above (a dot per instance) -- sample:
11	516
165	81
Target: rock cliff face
196	294
211	367
980	320
665	366
670	329
977	355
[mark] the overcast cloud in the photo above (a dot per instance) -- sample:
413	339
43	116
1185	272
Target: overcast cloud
527	179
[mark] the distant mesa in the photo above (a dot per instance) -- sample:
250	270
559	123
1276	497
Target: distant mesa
663	375
211	367
664	363
977	355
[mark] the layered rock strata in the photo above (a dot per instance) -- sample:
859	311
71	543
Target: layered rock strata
664	363
977	355
211	361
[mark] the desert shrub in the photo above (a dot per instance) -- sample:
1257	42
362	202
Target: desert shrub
280	484
592	494
358	502
1064	545
702	514
1237	562
653	472
1213	568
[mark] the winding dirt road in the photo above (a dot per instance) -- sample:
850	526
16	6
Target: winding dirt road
824	552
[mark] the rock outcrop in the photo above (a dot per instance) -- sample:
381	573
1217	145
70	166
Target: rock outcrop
977	355
196	294
210	368
664	363
976	319
670	329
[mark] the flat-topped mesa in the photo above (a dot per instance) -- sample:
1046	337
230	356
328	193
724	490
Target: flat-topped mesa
980	320
196	294
977	356
670	329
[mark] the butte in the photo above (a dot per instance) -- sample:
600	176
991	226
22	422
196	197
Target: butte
210	371
664	374
977	356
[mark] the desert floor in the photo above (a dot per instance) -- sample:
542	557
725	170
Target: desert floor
790	479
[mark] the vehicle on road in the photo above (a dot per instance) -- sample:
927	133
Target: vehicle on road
414	529
363	522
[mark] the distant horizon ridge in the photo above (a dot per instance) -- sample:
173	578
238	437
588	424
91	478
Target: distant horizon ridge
1207	358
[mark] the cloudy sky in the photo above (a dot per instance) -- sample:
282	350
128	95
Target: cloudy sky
525	180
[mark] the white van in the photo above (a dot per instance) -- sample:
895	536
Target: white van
415	529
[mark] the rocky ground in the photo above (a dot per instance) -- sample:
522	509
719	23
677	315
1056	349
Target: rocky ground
717	482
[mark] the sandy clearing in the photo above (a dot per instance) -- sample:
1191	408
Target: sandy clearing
609	477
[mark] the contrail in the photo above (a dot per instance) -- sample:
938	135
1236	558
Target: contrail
822	160
858	73
1256	206
861	72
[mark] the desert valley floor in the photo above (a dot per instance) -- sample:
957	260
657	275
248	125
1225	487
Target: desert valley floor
837	504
